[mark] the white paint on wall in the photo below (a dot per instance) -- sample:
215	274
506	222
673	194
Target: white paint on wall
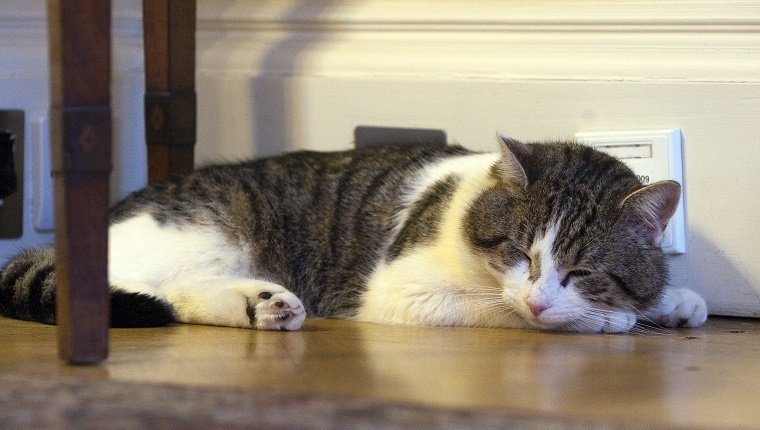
277	75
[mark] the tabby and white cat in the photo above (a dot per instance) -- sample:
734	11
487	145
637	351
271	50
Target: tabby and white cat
552	236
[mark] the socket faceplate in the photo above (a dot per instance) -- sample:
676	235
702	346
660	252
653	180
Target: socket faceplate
654	155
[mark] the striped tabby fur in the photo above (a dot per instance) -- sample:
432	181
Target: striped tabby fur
548	235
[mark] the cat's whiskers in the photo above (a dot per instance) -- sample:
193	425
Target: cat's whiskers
650	326
479	303
602	316
648	331
597	316
576	325
590	319
481	298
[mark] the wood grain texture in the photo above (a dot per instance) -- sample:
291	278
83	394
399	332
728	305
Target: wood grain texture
170	103
80	64
691	378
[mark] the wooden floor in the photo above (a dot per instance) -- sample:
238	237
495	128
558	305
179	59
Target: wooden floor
707	377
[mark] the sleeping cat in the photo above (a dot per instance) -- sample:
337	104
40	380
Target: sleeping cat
552	236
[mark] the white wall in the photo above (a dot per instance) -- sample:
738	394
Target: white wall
276	75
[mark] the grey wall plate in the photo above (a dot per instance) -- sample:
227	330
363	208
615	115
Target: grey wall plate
12	207
369	136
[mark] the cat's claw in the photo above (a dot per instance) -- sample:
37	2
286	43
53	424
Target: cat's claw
280	311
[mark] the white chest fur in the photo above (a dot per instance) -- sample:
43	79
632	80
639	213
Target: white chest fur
442	282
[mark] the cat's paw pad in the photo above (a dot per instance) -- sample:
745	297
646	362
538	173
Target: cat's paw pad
681	308
276	311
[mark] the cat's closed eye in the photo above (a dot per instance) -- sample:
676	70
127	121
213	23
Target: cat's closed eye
574	274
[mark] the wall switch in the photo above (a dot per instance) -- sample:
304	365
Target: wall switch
654	155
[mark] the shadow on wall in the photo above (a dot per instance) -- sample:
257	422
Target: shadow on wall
707	269
275	109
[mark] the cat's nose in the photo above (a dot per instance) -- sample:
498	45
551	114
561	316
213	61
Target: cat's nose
536	308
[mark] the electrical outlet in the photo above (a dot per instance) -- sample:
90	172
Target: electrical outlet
11	173
654	155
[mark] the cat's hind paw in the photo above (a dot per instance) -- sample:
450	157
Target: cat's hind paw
679	307
276	311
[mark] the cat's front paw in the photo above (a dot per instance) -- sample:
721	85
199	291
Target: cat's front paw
601	321
617	322
679	307
270	310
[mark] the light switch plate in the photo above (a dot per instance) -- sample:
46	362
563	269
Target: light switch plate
43	218
654	155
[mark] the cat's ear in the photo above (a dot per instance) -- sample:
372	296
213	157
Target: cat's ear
650	208
510	167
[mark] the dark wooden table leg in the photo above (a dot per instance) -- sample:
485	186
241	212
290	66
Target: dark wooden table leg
169	35
80	64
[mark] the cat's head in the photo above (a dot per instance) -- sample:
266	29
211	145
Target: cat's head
572	236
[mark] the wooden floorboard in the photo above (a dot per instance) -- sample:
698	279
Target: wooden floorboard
703	377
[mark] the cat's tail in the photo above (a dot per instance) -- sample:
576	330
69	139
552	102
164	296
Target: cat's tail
27	292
